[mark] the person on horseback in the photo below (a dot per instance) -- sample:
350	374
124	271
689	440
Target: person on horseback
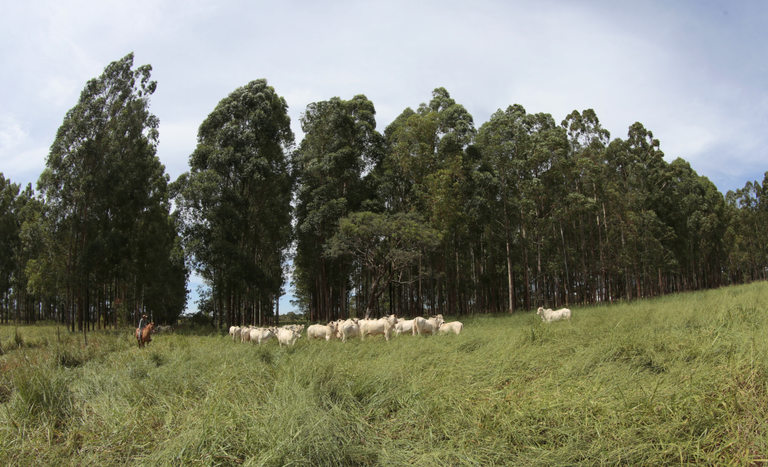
142	324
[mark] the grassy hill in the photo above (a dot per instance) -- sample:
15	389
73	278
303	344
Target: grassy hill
677	380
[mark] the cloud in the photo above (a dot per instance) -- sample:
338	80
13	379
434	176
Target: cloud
20	159
11	134
177	141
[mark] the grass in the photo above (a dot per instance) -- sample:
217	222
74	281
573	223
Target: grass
678	380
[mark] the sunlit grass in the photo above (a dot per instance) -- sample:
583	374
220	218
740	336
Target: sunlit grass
678	380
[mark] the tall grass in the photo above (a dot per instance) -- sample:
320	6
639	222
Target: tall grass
679	380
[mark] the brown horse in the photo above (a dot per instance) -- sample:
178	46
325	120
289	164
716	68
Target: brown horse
144	338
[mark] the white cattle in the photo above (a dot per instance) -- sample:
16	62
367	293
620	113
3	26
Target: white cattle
453	327
296	327
287	336
260	335
548	315
373	327
245	333
234	331
403	325
427	326
319	331
349	329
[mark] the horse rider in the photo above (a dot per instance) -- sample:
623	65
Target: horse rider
142	323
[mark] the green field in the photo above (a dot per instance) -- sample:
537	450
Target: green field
678	380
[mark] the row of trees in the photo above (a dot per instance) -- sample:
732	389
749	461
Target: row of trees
432	216
520	213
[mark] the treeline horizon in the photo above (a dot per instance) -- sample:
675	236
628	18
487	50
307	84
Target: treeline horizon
434	215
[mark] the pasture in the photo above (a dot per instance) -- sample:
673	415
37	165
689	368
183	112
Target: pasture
678	380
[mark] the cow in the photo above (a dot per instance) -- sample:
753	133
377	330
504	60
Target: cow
373	327
319	331
404	325
427	326
261	334
234	331
348	329
287	337
453	327
549	316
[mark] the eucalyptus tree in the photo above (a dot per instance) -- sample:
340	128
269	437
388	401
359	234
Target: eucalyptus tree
103	185
340	143
428	168
504	140
524	152
9	243
587	187
45	268
385	244
749	207
235	202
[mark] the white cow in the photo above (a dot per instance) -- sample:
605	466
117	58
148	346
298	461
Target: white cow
373	327
260	335
349	329
287	336
453	327
234	331
319	331
245	333
427	326
548	315
403	325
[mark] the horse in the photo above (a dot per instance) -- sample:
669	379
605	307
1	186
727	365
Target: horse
145	333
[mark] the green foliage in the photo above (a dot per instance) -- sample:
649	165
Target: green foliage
386	245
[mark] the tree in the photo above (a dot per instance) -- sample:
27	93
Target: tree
9	242
104	190
429	168
235	201
385	244
340	142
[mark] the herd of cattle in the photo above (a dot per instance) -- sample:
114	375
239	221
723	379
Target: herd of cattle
348	329
351	328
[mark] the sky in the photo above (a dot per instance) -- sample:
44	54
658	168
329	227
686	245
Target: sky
692	72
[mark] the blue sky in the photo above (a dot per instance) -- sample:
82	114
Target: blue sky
693	72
